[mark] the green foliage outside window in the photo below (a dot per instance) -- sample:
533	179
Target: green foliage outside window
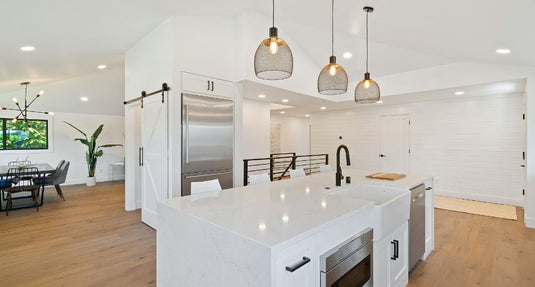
17	136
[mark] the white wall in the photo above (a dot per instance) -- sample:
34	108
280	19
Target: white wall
295	134
256	125
472	146
63	146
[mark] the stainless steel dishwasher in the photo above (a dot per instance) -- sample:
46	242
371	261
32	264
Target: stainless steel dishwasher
417	225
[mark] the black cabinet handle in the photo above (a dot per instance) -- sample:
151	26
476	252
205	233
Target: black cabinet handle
428	188
208	86
382	155
212	86
142	156
139	157
396	249
298	264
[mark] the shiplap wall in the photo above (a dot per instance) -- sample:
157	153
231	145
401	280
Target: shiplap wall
472	146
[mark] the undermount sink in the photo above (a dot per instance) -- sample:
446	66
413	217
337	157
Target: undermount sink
391	205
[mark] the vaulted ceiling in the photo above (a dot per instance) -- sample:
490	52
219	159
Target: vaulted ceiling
73	37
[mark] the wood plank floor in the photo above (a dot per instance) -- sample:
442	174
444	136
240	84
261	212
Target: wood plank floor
90	240
474	250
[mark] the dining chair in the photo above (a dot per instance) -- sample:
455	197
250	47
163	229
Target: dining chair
258	178
325	168
56	178
298	172
205	186
22	181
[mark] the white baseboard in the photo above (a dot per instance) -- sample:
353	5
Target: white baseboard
83	180
481	197
529	221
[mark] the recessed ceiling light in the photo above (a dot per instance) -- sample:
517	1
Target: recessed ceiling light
84	99
101	67
348	55
261	96
27	48
41	92
307	116
459	93
503	51
284	100
323	108
379	101
283	112
51	113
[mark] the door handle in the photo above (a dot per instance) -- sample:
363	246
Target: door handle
139	157
396	249
382	155
298	265
207	174
186	131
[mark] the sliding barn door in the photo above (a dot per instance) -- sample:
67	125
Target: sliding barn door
153	158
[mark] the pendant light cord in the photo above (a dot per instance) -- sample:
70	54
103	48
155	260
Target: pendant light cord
273	14
332	28
367	12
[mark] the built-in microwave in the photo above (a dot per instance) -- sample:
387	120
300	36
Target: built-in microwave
350	263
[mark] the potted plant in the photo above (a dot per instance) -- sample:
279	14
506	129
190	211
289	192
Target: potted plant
93	152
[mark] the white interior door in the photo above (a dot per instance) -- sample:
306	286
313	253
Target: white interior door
153	158
394	143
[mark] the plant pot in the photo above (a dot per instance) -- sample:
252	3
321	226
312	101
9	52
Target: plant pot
91	181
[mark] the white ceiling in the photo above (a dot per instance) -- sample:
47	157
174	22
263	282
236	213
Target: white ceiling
73	37
299	104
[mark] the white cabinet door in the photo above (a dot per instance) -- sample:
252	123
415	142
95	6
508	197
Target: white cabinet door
223	89
429	218
399	256
293	257
198	84
153	158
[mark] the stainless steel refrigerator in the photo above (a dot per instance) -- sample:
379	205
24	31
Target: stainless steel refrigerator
207	140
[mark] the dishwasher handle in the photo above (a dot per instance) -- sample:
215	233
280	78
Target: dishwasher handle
418	197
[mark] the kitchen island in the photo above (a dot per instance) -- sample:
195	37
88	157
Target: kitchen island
247	236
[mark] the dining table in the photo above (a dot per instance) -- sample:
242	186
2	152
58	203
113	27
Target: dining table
43	170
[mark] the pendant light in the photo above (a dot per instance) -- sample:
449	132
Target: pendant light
332	79
367	91
273	59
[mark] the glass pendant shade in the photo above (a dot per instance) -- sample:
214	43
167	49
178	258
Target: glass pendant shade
367	91
332	79
273	59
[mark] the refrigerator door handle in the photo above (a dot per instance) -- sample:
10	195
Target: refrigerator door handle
186	133
207	174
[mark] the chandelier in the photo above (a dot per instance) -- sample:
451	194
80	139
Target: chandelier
23	111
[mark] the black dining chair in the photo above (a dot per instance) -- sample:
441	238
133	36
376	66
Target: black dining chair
22	180
56	178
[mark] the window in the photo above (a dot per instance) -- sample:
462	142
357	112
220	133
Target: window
17	136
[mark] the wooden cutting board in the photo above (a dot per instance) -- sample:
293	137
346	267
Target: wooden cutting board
387	176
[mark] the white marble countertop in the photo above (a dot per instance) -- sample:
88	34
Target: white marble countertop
275	212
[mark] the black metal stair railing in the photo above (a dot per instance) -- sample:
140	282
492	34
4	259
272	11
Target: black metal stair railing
278	165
